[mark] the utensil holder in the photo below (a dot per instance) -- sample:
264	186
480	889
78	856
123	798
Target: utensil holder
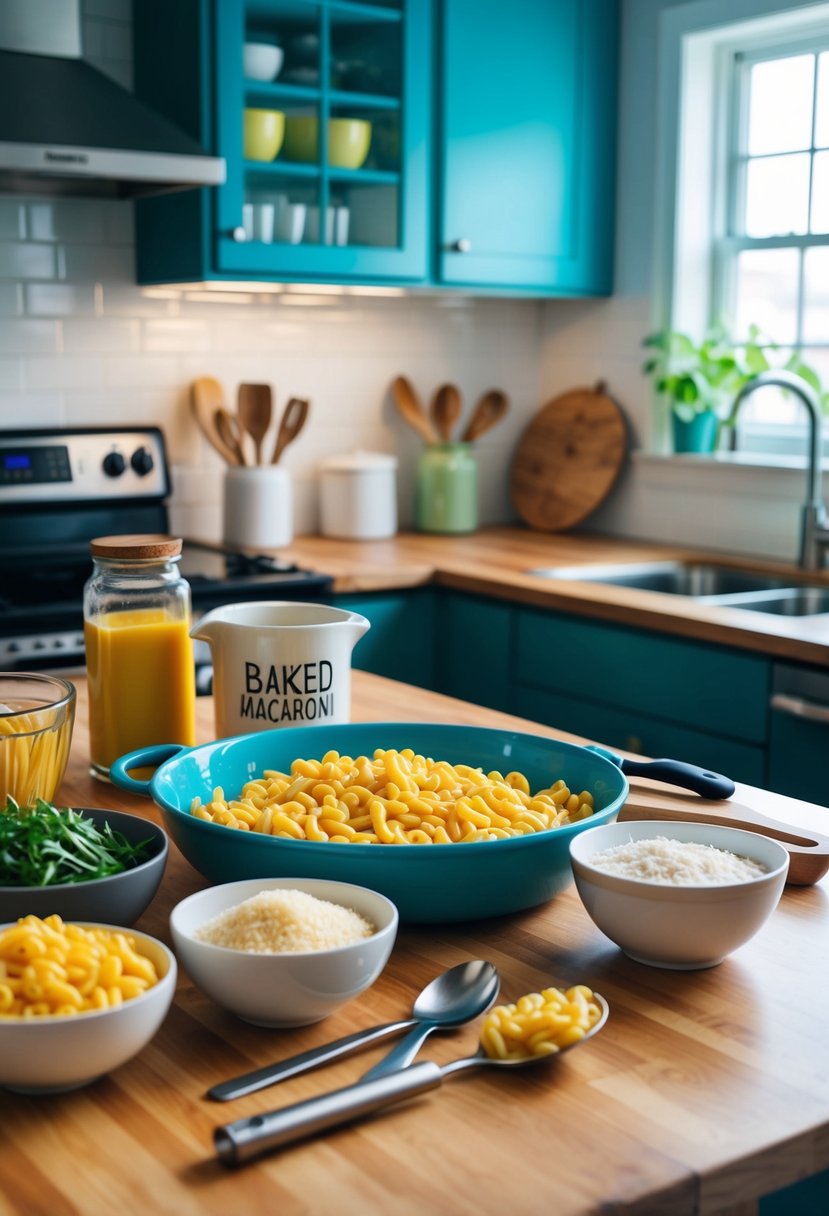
446	488
258	507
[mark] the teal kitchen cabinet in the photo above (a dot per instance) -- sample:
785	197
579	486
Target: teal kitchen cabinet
527	144
401	641
799	733
492	153
343	59
474	647
645	692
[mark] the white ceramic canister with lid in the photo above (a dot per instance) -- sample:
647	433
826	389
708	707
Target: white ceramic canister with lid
358	496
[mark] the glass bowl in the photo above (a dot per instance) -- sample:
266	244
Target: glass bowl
37	714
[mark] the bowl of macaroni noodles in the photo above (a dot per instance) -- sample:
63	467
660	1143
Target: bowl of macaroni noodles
77	1000
37	714
451	823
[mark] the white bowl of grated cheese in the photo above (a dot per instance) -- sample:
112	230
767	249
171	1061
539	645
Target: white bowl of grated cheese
678	895
283	951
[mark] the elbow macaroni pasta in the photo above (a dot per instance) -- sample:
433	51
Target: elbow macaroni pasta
539	1024
397	797
32	756
50	968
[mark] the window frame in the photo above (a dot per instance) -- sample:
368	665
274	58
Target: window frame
697	50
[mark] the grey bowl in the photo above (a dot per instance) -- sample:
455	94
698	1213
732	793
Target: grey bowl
117	900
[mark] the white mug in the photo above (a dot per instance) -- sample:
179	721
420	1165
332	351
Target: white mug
258	507
278	663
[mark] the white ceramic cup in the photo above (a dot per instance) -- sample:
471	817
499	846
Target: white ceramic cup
263	222
258	507
290	221
278	663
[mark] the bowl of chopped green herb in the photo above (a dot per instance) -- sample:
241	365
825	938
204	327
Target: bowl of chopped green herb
91	865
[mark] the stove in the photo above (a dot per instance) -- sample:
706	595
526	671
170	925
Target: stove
61	488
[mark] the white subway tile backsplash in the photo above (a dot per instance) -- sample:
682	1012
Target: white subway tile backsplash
105	335
12	220
11	299
97	263
32	409
175	334
59	299
24	337
11	374
68	372
64	219
22	260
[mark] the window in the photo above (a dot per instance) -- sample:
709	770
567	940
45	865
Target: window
772	262
745	160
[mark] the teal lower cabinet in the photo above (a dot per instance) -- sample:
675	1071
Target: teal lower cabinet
642	691
401	641
474	646
799	733
637	732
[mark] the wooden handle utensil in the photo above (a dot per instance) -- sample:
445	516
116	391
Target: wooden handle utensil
293	420
227	426
254	409
489	410
409	408
446	410
206	397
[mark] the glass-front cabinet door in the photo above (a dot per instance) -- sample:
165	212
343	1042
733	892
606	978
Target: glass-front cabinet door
322	117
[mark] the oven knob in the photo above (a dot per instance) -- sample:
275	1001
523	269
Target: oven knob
114	464
142	461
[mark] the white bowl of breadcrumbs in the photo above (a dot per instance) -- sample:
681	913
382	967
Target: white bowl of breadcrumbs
284	951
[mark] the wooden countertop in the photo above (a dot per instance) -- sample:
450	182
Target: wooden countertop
704	1089
494	561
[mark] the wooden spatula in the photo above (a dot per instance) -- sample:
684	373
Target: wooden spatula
489	410
409	407
207	396
808	851
292	422
254	408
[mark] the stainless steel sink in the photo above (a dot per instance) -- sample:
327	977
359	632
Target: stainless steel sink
724	585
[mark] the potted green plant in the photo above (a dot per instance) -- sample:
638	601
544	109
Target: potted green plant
701	379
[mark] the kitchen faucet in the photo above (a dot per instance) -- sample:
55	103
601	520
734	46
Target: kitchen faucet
814	533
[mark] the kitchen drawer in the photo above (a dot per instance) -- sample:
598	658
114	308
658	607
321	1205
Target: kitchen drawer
799	733
637	732
400	642
710	688
474	648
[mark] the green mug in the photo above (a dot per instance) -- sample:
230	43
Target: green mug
446	488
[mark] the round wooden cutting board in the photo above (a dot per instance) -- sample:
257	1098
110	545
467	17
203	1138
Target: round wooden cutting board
568	459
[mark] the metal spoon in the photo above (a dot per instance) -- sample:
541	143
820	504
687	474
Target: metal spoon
457	996
248	1138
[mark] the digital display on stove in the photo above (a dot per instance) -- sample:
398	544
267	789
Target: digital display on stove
37	464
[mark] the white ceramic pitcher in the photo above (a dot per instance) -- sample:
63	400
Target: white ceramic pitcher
280	663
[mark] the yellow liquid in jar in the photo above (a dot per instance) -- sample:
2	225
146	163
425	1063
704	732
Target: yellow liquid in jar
141	683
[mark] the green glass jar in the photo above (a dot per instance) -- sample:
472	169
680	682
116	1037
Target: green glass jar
446	488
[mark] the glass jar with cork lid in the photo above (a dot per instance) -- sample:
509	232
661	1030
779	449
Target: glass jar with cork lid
139	654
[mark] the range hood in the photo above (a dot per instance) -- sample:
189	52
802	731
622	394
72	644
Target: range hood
67	128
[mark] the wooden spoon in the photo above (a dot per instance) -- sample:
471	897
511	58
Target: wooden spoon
808	851
293	420
227	425
446	410
490	409
409	407
254	409
207	396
